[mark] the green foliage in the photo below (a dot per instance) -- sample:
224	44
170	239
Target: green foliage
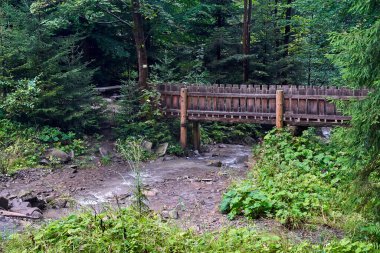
133	153
228	133
294	180
252	202
22	146
126	231
18	147
51	134
356	53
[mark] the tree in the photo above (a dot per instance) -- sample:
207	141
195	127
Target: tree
138	34
246	37
357	54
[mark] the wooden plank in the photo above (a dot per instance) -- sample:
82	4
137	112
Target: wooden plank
272	101
235	101
330	107
228	89
243	100
176	98
108	88
301	102
202	99
250	101
264	101
221	100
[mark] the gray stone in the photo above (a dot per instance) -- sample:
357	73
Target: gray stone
222	146
242	159
173	214
57	154
104	152
147	145
4	203
169	158
249	140
44	162
161	149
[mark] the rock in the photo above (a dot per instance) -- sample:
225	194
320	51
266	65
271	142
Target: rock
33	199
196	153
147	145
72	154
173	214
19	204
4	203
165	215
222	146
249	140
214	163
59	203
44	162
242	159
169	158
104	152
161	149
151	193
57	154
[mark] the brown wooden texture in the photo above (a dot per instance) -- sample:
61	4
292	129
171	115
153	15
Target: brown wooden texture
279	109
184	103
302	105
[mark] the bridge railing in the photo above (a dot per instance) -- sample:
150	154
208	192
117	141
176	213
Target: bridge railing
303	105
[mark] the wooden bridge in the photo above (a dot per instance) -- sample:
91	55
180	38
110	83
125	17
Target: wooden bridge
260	104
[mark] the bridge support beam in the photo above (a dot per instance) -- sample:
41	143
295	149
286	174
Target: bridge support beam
196	135
183	112
279	109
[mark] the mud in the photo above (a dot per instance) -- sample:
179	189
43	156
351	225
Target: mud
190	188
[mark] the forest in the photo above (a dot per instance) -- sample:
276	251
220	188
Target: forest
85	168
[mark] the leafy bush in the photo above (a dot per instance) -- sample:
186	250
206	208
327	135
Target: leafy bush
126	231
22	146
228	133
52	134
294	180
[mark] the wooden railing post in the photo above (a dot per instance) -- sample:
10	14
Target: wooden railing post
279	109
183	101
196	135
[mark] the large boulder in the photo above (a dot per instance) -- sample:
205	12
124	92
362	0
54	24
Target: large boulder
55	154
161	149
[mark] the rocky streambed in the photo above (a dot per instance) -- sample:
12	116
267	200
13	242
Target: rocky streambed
186	190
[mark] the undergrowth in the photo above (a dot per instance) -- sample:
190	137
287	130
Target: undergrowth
299	180
124	230
23	146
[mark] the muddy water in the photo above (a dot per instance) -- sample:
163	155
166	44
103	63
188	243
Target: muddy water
192	186
224	159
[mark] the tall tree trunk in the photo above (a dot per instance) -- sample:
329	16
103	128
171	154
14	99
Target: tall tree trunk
138	34
219	24
287	28
246	37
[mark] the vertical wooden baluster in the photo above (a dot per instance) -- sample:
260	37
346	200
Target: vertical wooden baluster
280	109
183	138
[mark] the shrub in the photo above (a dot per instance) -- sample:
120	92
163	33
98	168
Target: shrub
126	231
294	180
